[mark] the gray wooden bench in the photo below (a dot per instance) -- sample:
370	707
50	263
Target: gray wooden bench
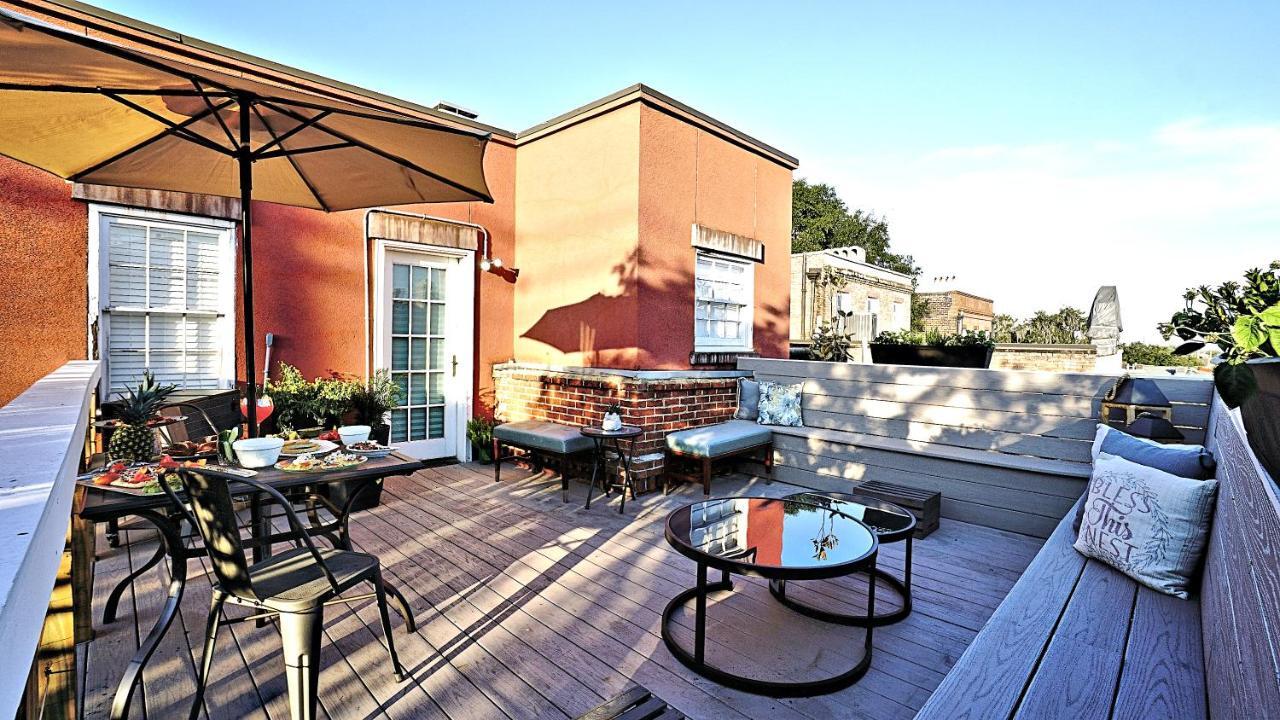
1076	639
710	444
1007	449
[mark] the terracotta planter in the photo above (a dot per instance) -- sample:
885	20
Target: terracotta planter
1261	415
930	356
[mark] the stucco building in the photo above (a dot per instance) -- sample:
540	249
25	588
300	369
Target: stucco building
637	239
840	286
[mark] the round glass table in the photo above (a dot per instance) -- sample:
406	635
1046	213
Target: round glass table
890	523
773	538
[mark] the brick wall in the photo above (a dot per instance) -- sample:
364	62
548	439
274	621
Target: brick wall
1056	358
658	402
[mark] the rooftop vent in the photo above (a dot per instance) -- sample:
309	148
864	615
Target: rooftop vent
448	107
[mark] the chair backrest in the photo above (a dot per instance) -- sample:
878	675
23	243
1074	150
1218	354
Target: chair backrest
215	520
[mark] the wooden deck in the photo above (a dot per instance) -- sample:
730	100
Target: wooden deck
529	608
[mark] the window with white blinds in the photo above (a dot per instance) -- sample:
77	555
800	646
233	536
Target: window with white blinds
166	299
723	296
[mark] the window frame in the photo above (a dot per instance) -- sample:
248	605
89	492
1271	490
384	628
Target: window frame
98	328
746	342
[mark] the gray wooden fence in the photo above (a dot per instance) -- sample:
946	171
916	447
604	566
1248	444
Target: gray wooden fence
1008	449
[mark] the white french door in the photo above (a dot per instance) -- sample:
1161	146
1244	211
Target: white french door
423	336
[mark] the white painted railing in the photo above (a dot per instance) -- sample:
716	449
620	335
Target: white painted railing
42	436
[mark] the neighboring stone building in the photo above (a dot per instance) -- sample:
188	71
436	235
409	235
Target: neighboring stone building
840	283
955	310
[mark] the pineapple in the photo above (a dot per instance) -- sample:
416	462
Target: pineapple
134	440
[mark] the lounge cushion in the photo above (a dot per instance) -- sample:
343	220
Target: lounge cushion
748	400
1188	461
541	435
719	439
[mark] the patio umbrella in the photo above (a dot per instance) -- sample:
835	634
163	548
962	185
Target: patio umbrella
93	111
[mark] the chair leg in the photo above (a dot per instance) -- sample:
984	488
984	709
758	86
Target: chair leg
210	640
497	460
381	592
300	637
406	613
666	472
706	476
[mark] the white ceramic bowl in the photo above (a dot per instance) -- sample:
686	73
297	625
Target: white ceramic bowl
258	452
352	434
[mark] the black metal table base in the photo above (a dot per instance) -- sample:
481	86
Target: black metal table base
696	660
600	464
778	588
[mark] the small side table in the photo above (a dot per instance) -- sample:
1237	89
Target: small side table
609	446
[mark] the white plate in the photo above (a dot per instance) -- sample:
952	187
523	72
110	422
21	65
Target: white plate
372	454
325	446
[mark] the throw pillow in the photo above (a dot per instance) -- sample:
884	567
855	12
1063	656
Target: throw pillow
1188	461
1148	524
780	404
748	400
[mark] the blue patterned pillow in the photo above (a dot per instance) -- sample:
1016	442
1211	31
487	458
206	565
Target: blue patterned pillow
780	404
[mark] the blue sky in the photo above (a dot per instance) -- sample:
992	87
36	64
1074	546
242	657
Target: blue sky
1033	150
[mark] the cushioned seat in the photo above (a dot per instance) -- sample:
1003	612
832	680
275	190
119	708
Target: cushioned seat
541	435
719	439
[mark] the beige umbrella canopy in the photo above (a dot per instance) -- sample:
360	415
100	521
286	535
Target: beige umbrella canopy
95	112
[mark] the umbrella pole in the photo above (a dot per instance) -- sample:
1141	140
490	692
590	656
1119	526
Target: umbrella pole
245	162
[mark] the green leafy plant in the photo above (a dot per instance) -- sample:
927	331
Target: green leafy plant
828	343
1242	321
613	409
333	398
375	397
302	404
936	338
1067	326
480	435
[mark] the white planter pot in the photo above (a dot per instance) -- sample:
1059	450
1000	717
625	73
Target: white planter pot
611	422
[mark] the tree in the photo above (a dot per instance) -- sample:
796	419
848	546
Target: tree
1139	353
1068	326
820	220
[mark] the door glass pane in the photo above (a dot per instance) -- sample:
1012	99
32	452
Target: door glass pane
418	389
437	353
436	429
437	388
418	357
399	425
399	353
400	281
437	318
419	280
417	423
419	326
437	284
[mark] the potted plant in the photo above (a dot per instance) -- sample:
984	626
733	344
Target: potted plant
295	402
612	418
372	400
970	349
480	434
1243	322
828	343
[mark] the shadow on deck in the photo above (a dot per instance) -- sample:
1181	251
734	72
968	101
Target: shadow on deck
528	607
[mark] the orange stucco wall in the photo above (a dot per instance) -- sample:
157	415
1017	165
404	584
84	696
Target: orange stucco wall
577	195
43	286
689	176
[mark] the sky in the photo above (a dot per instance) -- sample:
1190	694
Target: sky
1033	150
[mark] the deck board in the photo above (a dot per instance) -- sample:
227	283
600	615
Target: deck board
532	608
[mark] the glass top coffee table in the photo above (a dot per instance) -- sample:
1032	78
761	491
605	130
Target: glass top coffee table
891	523
773	538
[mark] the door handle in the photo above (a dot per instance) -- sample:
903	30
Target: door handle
455	366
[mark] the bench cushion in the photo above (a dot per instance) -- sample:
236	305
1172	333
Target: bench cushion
720	439
542	435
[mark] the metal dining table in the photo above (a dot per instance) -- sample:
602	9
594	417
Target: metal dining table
95	505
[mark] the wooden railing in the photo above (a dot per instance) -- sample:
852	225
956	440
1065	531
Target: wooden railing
42	438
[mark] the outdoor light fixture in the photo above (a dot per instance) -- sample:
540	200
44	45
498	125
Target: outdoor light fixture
1153	427
1132	398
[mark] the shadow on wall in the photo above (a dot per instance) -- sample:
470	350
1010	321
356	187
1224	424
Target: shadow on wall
590	326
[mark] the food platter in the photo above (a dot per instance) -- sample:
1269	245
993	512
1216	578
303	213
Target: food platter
295	448
369	449
137	479
310	463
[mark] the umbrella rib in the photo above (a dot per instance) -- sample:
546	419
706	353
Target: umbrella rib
279	140
179	130
389	156
301	151
216	115
84	89
388	117
127	151
274	138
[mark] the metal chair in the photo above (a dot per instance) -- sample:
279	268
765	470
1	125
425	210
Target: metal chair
293	586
